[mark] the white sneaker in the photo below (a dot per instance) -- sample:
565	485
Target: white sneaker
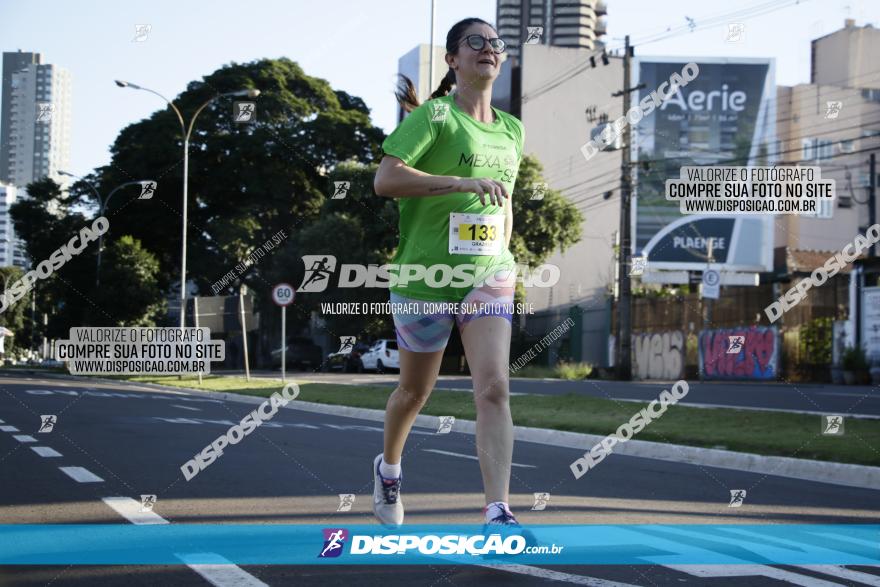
387	504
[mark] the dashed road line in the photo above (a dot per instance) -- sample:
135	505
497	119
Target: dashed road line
221	573
81	475
130	509
46	451
9	429
185	408
24	438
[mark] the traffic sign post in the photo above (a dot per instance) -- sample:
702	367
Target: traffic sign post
711	284
283	295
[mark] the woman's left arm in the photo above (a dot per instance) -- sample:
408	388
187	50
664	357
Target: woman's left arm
508	222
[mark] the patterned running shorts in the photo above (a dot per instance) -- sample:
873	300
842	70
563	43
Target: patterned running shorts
424	326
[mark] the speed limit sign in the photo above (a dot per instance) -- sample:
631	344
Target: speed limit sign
283	294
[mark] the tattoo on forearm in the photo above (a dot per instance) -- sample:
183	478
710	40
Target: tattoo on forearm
440	188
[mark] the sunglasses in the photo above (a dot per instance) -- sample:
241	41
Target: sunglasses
477	42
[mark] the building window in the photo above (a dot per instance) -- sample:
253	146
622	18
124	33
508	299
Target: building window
807	150
825	209
816	149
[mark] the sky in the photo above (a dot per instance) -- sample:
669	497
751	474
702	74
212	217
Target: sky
354	45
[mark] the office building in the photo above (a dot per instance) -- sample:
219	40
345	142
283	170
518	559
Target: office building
11	247
35	124
833	123
564	23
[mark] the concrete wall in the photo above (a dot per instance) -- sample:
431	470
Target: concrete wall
847	57
803	115
557	127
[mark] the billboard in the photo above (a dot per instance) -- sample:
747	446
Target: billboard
739	243
724	116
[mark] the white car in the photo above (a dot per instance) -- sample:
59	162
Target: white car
381	356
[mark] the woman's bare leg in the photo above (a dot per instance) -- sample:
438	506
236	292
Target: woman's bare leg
418	374
487	346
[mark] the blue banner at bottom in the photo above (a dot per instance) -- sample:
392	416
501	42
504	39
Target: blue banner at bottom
288	544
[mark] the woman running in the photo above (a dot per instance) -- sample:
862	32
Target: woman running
451	164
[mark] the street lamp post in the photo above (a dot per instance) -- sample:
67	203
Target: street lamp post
186	131
102	205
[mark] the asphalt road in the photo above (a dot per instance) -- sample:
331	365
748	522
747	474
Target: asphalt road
852	400
291	470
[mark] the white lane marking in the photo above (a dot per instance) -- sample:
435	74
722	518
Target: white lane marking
472	457
185	408
45	451
9	429
2	422
844	573
751	571
221	573
24	438
556	575
81	475
141	394
130	509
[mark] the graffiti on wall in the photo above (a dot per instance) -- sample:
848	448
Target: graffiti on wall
658	355
739	353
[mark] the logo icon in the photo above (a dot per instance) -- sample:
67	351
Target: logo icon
735	344
148	190
341	188
439	112
638	266
244	111
47	423
318	270
446	423
538	191
832	109
832	425
147	502
737	497
541	500
735	32
346	344
346	500
46	112
141	32
334	541
534	36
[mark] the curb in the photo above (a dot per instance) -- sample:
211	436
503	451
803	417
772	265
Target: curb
845	474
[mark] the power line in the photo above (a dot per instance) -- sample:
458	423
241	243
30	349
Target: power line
721	161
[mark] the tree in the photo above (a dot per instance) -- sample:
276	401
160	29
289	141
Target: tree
246	181
133	293
16	317
45	221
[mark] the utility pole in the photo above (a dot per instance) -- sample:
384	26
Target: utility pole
624	299
431	51
872	193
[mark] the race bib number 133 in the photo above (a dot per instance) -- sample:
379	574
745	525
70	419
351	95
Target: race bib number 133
475	234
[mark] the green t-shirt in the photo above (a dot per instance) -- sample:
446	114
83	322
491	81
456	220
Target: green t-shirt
438	138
